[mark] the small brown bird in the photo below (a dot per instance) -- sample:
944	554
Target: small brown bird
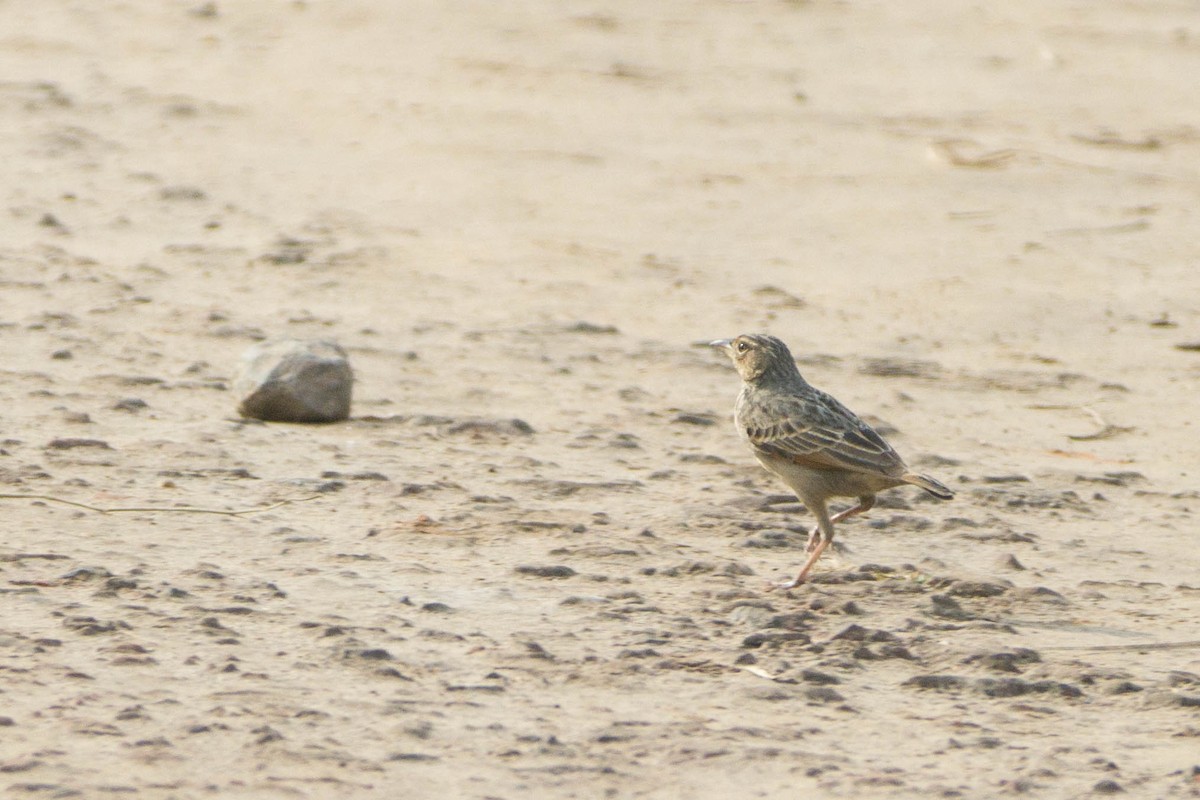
816	445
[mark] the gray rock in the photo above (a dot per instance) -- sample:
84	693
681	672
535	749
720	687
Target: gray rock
290	380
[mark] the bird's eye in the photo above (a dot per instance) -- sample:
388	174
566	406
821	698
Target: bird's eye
742	347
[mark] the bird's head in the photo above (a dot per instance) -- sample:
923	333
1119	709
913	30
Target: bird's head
758	356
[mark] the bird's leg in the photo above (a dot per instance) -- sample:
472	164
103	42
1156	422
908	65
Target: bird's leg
814	538
865	504
824	537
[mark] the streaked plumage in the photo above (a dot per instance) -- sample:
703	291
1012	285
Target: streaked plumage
816	445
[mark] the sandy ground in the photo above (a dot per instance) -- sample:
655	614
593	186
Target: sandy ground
976	225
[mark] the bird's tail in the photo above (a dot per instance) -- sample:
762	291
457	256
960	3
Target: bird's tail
927	483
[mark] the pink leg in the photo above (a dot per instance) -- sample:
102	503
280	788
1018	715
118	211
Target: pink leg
865	504
808	565
822	535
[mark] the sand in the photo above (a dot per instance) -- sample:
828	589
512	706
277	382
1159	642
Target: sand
534	562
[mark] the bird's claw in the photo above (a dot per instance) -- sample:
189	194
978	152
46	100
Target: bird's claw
783	586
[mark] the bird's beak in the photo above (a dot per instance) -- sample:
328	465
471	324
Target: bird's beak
723	343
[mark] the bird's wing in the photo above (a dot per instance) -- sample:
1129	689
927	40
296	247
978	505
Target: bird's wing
821	433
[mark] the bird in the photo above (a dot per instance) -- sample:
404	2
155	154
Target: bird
812	442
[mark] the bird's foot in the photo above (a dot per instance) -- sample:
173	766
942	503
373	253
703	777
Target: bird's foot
814	539
784	586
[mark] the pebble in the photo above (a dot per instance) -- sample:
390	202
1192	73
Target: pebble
74	444
290	380
975	589
823	694
551	571
818	677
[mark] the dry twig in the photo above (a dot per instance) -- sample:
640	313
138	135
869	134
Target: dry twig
1105	430
156	509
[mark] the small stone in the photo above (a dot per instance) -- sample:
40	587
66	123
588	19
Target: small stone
591	327
130	404
266	734
412	757
794	621
204	10
939	682
756	640
864	653
185	193
1125	687
975	589
75	444
483	427
695	419
818	677
946	607
290	380
852	633
1010	562
86	573
1007	660
750	616
1040	594
823	694
552	571
535	650
1108	787
371	654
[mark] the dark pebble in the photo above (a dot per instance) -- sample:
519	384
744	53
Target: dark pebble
776	539
517	427
896	651
72	444
946	607
756	640
555	571
695	419
1015	687
852	633
792	622
1125	687
940	682
130	404
648	652
1008	661
411	757
266	734
823	694
975	589
818	677
371	654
